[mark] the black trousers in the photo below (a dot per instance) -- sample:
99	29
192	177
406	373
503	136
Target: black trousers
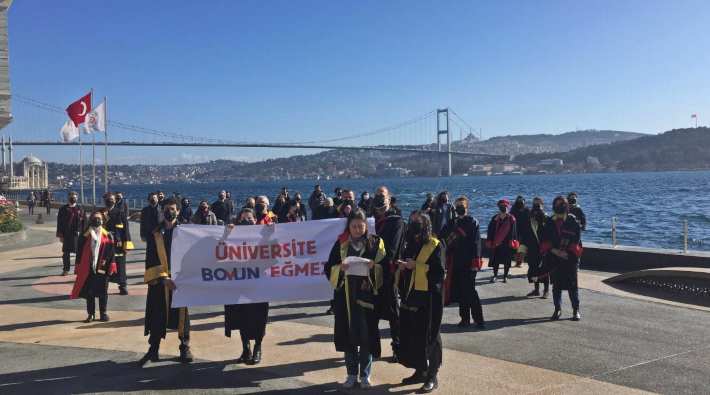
435	347
91	304
121	269
545	281
473	310
160	316
66	261
97	287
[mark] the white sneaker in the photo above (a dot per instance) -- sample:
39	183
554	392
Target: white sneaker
365	383
350	382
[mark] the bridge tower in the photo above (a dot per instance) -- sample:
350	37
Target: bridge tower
442	127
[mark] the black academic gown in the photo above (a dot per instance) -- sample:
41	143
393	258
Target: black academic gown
530	236
159	316
463	247
96	283
563	234
356	297
150	218
249	318
422	307
501	254
391	230
69	225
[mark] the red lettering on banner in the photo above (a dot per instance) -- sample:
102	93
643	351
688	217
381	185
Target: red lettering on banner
263	252
223	256
275	251
252	251
235	252
311	247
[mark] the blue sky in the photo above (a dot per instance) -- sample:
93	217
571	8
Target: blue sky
309	70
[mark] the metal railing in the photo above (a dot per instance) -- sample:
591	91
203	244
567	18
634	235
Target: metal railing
687	240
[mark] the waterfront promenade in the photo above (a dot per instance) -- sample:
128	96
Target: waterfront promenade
625	344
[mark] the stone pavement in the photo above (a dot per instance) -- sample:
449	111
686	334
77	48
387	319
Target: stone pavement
623	344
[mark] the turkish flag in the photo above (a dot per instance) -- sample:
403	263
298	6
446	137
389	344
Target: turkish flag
77	111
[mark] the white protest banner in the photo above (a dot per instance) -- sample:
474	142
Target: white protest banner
257	263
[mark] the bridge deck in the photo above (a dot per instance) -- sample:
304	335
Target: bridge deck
622	345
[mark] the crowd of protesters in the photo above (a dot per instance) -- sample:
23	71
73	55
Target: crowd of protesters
418	264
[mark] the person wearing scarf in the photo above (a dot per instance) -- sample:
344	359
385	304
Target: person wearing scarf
159	315
561	248
530	238
264	216
356	331
419	278
463	261
502	240
203	215
249	318
94	263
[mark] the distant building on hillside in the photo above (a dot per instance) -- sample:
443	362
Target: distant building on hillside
551	163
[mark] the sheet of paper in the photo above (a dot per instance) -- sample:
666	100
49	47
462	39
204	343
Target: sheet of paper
358	266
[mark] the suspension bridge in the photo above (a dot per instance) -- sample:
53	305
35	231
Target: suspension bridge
431	133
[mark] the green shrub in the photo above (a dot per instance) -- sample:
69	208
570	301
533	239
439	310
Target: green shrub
12	225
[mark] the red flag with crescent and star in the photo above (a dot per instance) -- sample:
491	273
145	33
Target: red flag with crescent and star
77	111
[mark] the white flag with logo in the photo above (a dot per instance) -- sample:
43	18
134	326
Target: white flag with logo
96	119
69	131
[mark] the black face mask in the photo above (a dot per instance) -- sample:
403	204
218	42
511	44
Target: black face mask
503	209
204	209
460	210
260	207
348	202
560	209
245	222
537	206
96	222
170	215
72	200
415	228
572	201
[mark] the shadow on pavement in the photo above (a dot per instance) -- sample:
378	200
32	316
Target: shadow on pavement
110	376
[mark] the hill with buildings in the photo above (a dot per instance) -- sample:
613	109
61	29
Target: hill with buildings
678	149
341	163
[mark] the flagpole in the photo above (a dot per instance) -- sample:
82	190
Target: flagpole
93	166
105	145
81	169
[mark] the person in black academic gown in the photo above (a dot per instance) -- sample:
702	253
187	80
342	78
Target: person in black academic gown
501	240
521	214
249	318
530	237
420	278
70	222
117	225
159	316
561	247
94	262
463	255
576	210
390	227
356	331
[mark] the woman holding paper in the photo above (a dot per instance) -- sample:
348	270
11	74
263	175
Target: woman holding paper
420	278
249	318
355	273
